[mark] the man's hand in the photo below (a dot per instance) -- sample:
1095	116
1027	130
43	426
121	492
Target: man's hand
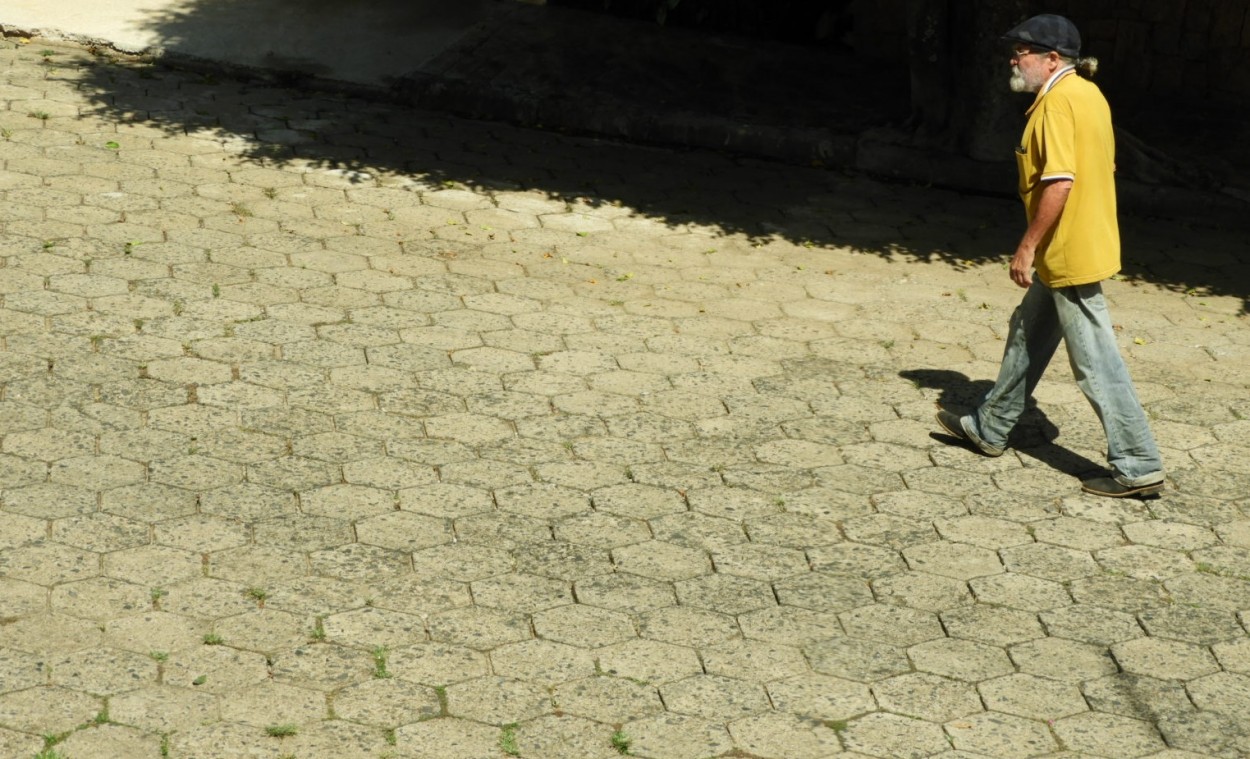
1049	209
1022	266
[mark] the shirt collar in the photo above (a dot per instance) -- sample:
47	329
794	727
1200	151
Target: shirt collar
1050	85
1055	77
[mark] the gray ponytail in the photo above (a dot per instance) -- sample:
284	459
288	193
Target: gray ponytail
1086	67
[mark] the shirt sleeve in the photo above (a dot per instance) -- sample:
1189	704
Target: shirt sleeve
1058	143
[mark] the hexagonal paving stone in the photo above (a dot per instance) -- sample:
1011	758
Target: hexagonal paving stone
111	740
436	664
821	697
883	734
789	625
48	563
891	624
688	627
1091	624
584	626
824	592
924	591
1108	735
354	562
1032	697
521	592
386	703
372	627
322	666
302	532
1164	659
541	661
725	593
608	699
347	501
1061	659
201	533
497	700
448	737
265	630
926	696
754	661
216	669
661	561
153	631
565	737
204	597
21	671
273	703
19	744
404	531
648	661
1049	562
163	708
1000	735
478	627
1020	591
461	561
47	710
152	566
714	697
960	659
678	736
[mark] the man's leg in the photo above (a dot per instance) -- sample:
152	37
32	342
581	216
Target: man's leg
1032	337
1103	377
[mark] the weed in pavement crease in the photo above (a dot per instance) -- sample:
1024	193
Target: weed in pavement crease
379	663
281	731
507	740
620	742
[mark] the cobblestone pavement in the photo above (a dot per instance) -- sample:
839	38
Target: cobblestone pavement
381	434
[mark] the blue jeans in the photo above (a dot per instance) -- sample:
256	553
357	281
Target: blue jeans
1078	315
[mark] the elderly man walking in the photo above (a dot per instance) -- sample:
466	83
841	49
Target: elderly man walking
1066	162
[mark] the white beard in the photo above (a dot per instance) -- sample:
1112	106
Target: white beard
1018	83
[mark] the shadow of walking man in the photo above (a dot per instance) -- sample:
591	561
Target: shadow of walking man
1033	435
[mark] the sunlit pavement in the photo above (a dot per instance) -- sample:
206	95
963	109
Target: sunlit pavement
336	429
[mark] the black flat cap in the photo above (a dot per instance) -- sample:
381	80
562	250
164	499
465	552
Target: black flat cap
1049	32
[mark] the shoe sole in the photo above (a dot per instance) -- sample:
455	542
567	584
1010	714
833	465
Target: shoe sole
963	436
1153	489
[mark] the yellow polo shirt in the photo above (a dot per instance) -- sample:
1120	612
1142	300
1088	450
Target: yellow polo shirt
1069	136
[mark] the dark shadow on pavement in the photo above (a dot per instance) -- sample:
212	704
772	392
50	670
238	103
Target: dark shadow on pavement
616	69
1033	436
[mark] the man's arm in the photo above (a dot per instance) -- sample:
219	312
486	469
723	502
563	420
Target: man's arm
1049	209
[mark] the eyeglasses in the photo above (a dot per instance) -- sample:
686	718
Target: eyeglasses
1023	53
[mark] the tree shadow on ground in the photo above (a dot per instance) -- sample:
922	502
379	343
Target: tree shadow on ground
367	137
1034	435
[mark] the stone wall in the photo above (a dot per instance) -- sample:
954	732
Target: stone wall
1182	48
1176	49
